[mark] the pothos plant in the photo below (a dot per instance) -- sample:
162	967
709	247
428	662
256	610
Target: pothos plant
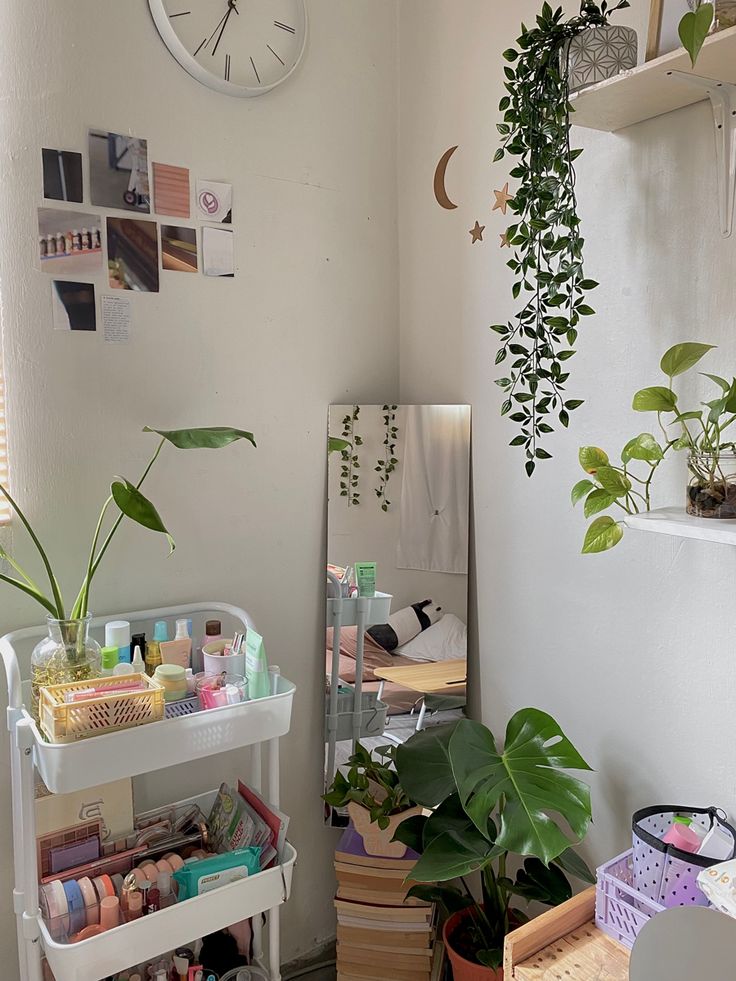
704	432
548	248
385	467
125	501
373	783
349	476
695	27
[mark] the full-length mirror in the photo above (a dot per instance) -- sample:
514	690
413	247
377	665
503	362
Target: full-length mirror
397	577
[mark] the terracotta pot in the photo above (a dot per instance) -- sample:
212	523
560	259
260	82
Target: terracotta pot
375	841
462	969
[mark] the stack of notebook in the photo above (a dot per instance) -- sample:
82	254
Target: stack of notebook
381	935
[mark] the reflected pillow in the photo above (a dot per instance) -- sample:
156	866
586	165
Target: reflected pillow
445	641
405	624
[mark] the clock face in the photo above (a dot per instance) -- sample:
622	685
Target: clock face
240	47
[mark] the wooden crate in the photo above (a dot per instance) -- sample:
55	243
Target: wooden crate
564	944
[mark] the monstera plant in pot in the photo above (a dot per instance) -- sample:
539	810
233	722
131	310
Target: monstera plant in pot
375	798
490	807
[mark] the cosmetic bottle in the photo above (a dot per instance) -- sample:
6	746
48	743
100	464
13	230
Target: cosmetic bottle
145	888
153	648
166	893
138	640
117	634
153	900
122	667
135	906
109	912
108	661
212	632
179	650
274	672
138	664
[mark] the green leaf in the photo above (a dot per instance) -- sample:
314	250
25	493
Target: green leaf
529	775
580	489
571	862
451	899
603	534
592	457
138	508
694	29
491	957
719	381
540	883
335	445
207	438
424	767
411	832
682	357
643	447
451	855
655	399
597	501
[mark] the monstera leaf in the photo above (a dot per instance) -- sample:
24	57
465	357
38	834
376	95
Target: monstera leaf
424	766
529	777
205	438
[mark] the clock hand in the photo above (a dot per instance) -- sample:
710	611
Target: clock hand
223	18
231	5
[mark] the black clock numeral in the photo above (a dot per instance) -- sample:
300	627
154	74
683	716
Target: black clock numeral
284	27
184	13
256	71
227	68
200	48
275	55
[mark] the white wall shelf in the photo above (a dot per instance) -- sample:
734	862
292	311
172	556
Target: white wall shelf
649	90
676	522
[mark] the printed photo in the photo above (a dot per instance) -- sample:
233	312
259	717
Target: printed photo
215	202
118	171
218	252
73	305
62	175
179	248
132	254
69	242
171	190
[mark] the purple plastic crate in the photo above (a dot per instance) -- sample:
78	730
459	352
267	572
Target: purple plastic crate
620	909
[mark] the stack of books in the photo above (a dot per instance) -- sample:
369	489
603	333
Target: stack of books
381	935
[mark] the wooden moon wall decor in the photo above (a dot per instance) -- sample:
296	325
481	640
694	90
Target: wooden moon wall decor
440	191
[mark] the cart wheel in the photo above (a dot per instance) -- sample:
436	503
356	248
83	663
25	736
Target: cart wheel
130	197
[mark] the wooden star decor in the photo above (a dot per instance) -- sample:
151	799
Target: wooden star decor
505	244
502	199
476	232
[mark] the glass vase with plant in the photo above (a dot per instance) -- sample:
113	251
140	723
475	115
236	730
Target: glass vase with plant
375	798
548	246
704	433
489	805
69	653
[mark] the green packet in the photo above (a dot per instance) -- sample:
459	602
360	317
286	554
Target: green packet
196	878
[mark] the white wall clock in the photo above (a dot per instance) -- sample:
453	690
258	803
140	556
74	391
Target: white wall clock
239	47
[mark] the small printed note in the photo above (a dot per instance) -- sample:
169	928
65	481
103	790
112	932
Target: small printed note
116	319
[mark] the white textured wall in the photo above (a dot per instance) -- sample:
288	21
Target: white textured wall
633	651
309	319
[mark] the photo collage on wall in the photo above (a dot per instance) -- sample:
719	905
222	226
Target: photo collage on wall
130	249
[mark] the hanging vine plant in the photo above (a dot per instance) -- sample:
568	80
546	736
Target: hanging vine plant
349	476
548	247
385	467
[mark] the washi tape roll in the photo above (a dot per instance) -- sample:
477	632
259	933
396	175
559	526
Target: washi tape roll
55	909
75	903
104	886
150	871
117	884
91	902
175	861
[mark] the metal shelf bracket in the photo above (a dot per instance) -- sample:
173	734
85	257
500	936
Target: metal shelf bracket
722	97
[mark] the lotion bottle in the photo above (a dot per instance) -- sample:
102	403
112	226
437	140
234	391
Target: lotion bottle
179	650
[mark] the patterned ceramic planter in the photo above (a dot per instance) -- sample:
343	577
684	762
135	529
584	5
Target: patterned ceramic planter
375	841
600	53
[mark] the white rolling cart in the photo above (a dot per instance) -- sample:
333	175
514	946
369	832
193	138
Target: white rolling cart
131	752
362	612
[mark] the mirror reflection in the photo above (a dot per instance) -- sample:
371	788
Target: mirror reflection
397	575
